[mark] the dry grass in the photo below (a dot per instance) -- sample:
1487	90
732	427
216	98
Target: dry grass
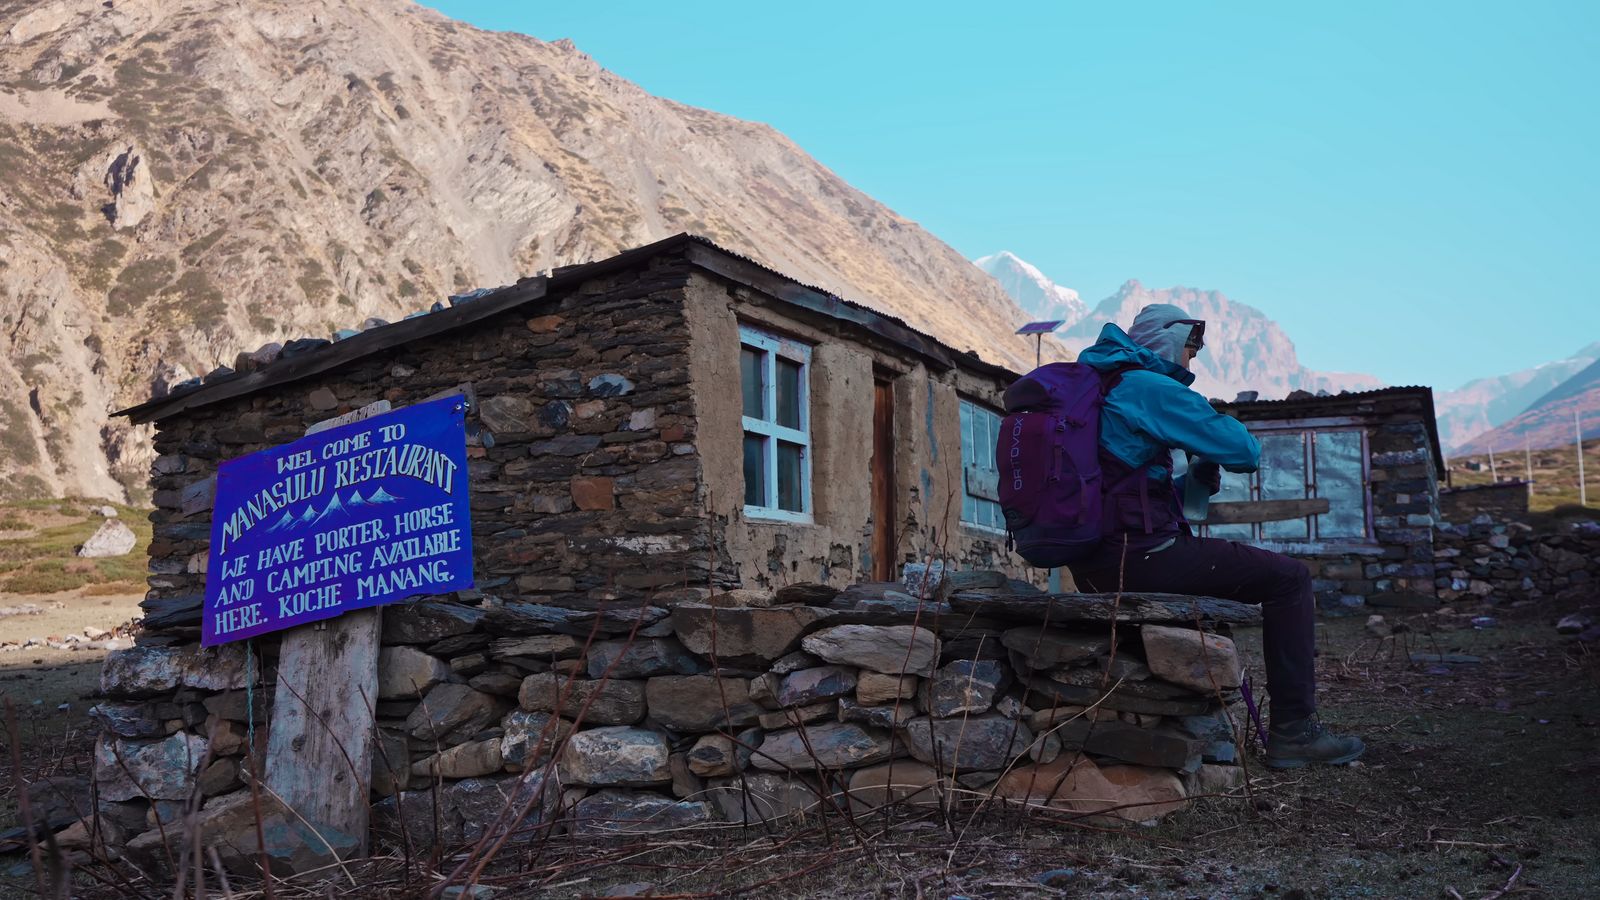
38	553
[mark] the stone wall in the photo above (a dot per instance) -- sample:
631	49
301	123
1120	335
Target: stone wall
584	462
1501	563
1506	501
749	705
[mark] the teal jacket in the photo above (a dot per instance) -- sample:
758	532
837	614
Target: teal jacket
1153	411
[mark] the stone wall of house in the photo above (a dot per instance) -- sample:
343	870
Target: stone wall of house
1405	508
747	705
1506	501
583	466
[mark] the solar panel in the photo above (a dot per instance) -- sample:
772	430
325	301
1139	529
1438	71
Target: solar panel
1041	327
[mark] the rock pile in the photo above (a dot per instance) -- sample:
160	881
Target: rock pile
731	707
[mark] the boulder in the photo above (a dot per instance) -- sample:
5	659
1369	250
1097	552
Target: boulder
541	647
769	797
112	538
833	745
1142	794
808	686
886	716
530	738
608	702
742	636
1049	648
468	760
141	671
427	621
1158	747
873	688
408	672
158	770
1214	779
979	742
890	649
806	593
1193	659
1071	782
132	720
896	781
478	803
698	703
716	754
965	686
452	711
616	755
641	658
613	811
795	716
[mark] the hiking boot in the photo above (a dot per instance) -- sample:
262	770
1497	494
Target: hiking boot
1306	742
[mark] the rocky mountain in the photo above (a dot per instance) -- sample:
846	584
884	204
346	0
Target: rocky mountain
1038	296
1548	421
1245	350
1485	403
186	179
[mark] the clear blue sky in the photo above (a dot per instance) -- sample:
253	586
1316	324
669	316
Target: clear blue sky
1411	189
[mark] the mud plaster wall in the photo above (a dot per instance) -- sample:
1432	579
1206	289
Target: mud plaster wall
836	548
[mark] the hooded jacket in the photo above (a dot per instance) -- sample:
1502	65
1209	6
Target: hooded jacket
1152	411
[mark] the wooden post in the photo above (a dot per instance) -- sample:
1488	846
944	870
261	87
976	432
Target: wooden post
1527	457
322	738
1583	486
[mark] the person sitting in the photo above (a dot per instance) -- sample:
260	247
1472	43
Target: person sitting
1149	412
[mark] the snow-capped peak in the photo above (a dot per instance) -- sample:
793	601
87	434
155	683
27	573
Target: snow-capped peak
1038	296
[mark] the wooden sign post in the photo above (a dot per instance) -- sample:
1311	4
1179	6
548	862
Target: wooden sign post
320	746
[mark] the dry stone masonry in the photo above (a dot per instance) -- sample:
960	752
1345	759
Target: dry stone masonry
647	718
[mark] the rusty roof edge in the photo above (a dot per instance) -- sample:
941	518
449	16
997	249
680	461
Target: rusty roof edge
321	359
698	250
1417	391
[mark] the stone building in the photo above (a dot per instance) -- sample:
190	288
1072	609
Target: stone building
1504	501
676	416
1375	457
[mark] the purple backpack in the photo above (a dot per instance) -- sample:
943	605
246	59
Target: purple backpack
1049	458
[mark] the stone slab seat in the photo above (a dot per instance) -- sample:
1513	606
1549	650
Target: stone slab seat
1134	607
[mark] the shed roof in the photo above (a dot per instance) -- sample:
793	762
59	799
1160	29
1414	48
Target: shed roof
699	251
1348	403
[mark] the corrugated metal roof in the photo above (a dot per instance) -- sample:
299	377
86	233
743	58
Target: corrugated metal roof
385	337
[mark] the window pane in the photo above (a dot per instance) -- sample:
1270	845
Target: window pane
788	393
1339	480
1235	489
755	468
750	380
791	477
1283	477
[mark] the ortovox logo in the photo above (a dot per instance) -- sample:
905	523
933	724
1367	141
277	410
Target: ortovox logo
1016	454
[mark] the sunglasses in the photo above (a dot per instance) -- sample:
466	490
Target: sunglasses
1197	334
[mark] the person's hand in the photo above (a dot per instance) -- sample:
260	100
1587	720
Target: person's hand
1207	473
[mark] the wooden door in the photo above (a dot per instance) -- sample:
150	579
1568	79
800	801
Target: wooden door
883	481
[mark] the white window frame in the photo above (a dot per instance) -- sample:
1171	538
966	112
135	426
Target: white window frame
979	407
772	348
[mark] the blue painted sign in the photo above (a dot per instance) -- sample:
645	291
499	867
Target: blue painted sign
359	515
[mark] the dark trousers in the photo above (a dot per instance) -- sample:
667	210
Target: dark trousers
1232	571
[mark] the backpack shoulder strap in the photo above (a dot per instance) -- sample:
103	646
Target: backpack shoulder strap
1109	380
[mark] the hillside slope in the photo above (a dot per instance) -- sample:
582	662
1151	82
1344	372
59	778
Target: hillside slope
1485	403
1549	421
186	179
